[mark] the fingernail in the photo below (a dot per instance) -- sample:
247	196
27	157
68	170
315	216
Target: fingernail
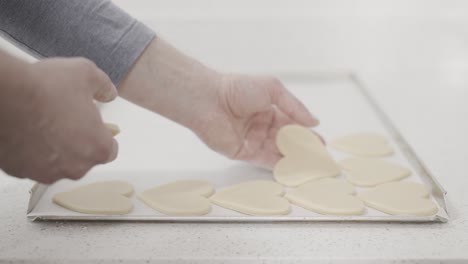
313	121
107	95
316	121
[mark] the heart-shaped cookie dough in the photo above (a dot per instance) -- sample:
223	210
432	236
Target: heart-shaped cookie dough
182	198
305	157
253	198
106	197
400	198
367	172
114	129
363	144
327	196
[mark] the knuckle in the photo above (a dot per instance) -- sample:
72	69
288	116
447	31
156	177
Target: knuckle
274	86
73	174
81	171
64	171
89	69
273	81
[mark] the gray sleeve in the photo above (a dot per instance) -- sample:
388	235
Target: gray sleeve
95	29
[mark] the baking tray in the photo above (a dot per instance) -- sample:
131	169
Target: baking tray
154	151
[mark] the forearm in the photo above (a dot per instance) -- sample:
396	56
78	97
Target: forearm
94	29
171	84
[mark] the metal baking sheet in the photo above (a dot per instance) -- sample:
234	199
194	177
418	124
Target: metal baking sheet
154	151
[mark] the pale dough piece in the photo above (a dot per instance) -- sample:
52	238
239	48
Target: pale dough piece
182	198
107	197
363	144
370	172
115	130
305	157
327	196
253	198
400	198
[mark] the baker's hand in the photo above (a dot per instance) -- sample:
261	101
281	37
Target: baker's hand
235	115
51	128
247	116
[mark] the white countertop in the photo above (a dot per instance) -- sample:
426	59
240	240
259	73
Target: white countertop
398	76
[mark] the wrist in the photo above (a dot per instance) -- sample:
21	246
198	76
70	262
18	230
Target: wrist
201	104
171	84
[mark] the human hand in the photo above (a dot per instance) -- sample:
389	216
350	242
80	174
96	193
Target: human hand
235	115
51	128
247	117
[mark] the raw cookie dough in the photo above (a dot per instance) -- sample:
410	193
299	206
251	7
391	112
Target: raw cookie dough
400	198
305	157
363	144
327	196
253	198
115	130
182	198
107	197
367	172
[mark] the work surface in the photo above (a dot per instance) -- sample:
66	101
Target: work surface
435	129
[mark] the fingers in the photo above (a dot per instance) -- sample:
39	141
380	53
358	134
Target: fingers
114	151
103	153
290	105
267	154
104	89
108	150
270	154
99	83
104	147
268	162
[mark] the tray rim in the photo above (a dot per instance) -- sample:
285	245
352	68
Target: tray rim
438	191
245	219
